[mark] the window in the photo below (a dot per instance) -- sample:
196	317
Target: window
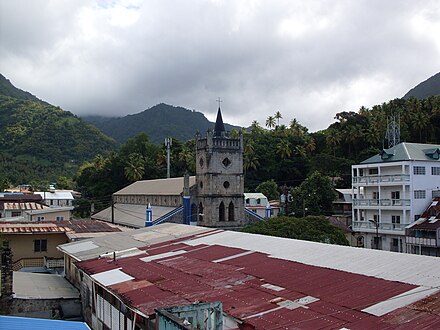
373	171
435	170
395	197
231	212
419	170
40	245
60	218
40	218
221	212
419	194
416	217
395	220
375	195
435	193
376	218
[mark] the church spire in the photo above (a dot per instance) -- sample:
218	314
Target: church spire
219	129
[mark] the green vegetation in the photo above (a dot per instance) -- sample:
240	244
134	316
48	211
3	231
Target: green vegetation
310	228
43	142
158	122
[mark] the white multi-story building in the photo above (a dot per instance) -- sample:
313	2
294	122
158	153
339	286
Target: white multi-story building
391	190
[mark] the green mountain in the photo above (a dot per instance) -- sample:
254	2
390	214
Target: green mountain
40	141
158	122
427	88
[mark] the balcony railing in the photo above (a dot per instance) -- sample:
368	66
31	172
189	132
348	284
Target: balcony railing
376	179
381	202
359	225
421	241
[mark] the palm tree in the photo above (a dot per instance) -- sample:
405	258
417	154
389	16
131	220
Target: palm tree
333	138
99	161
283	149
270	122
250	162
278	116
420	120
134	167
309	144
296	127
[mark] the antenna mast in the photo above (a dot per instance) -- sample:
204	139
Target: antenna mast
393	130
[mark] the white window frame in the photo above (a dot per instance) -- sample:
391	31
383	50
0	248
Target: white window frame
419	170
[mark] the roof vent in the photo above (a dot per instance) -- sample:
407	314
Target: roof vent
433	153
386	155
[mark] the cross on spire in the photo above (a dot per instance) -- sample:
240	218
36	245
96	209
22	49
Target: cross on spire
219	101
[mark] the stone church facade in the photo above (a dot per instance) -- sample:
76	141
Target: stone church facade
219	178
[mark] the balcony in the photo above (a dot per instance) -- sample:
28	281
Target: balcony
421	241
361	225
381	202
378	179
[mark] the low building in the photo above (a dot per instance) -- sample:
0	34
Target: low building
259	204
423	236
259	282
34	245
13	205
57	198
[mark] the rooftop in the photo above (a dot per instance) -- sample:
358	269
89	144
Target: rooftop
407	151
20	323
72	228
132	215
42	286
172	186
271	282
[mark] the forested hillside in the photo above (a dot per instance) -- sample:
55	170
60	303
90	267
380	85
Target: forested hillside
157	122
40	142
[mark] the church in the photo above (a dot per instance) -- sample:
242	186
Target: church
214	197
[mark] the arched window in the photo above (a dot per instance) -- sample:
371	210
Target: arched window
193	216
221	212
200	212
231	212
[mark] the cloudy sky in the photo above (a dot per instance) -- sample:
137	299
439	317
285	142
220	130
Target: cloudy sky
306	59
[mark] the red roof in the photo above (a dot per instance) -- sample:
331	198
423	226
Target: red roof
260	290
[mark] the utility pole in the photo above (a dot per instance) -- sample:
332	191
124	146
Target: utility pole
113	210
168	143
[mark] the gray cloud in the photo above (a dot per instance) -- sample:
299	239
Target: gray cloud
308	60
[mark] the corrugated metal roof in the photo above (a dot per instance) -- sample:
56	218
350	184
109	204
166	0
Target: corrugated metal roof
172	186
262	291
24	206
63	226
20	323
56	195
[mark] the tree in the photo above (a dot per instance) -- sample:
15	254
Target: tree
134	167
314	196
269	189
283	149
333	138
278	116
270	122
316	229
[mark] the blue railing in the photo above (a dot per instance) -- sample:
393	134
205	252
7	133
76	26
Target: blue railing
253	214
168	215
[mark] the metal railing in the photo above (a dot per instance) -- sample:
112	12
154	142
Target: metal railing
168	216
421	241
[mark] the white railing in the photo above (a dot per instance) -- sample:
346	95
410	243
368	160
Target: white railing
375	179
421	241
382	226
381	202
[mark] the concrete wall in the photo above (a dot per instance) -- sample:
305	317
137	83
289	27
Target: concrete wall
22	245
43	308
49	216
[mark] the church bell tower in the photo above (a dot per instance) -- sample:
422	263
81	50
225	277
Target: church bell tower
219	178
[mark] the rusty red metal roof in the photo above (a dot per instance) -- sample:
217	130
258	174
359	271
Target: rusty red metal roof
261	291
63	226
